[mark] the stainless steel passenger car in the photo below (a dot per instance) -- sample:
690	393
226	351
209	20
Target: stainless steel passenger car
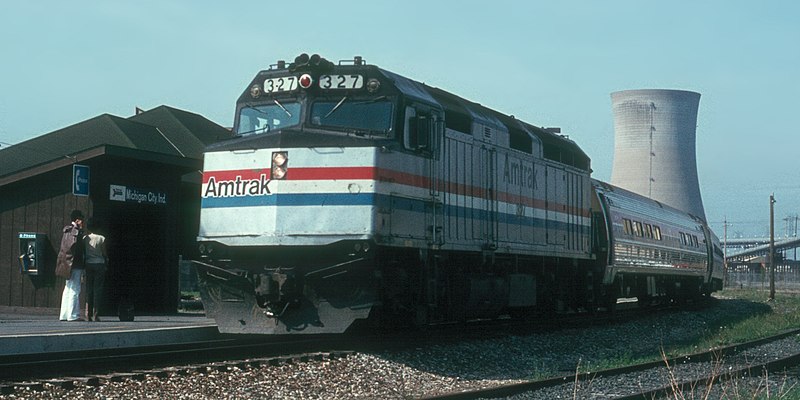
655	250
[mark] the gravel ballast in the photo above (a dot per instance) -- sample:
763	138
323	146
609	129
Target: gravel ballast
439	369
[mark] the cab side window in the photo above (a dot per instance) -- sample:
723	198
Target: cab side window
422	128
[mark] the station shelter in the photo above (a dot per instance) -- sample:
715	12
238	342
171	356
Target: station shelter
138	178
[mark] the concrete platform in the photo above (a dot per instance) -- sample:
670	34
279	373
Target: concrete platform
34	331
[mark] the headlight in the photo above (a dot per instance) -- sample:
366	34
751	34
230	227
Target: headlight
280	164
255	91
361	246
373	85
205	249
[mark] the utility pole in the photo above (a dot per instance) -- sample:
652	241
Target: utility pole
772	246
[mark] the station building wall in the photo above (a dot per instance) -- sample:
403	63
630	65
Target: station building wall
144	186
142	231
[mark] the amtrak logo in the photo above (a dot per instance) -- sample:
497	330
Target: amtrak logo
237	187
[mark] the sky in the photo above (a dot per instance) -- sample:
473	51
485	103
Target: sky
549	63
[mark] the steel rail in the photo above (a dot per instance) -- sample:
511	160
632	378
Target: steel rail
51	365
705	356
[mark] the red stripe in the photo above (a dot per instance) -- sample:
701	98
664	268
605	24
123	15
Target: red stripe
231	175
332	173
296	174
390	176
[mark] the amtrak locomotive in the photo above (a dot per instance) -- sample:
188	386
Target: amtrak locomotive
352	193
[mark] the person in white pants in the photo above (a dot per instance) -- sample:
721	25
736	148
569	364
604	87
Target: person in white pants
70	265
70	299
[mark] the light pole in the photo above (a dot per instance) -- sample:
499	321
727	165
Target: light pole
725	254
772	246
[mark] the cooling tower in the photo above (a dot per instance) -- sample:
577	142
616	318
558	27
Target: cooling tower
654	146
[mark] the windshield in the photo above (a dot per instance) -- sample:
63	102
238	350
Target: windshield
373	116
266	117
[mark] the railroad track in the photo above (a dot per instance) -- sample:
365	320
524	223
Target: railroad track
23	368
658	379
93	368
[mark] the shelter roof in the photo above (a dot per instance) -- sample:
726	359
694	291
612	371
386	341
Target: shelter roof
189	132
164	134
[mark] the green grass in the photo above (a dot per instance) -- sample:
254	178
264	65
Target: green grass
736	316
737	323
746	315
616	362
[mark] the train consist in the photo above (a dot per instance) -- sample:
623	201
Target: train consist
352	193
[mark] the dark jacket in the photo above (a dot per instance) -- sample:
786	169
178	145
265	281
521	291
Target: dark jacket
70	255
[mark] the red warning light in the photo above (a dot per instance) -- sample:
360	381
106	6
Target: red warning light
306	81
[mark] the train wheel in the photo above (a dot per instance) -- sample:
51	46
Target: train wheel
421	319
593	292
706	291
610	303
590	302
522	313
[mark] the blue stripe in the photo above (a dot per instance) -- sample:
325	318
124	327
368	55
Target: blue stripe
309	199
381	201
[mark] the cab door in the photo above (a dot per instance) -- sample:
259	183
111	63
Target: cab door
556	205
488	160
424	134
436	207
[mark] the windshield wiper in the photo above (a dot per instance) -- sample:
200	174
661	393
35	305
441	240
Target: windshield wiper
379	98
265	128
282	107
336	107
256	109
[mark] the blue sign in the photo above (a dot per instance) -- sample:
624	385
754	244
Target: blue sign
80	180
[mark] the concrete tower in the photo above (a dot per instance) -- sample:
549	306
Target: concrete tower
654	146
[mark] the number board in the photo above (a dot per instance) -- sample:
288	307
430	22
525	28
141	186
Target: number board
341	82
282	84
328	82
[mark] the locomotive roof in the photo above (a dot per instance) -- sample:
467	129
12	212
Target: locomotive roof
459	112
556	147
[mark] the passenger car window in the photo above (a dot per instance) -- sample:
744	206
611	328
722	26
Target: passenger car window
637	228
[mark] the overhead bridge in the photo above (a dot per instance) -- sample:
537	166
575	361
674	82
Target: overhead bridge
754	248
